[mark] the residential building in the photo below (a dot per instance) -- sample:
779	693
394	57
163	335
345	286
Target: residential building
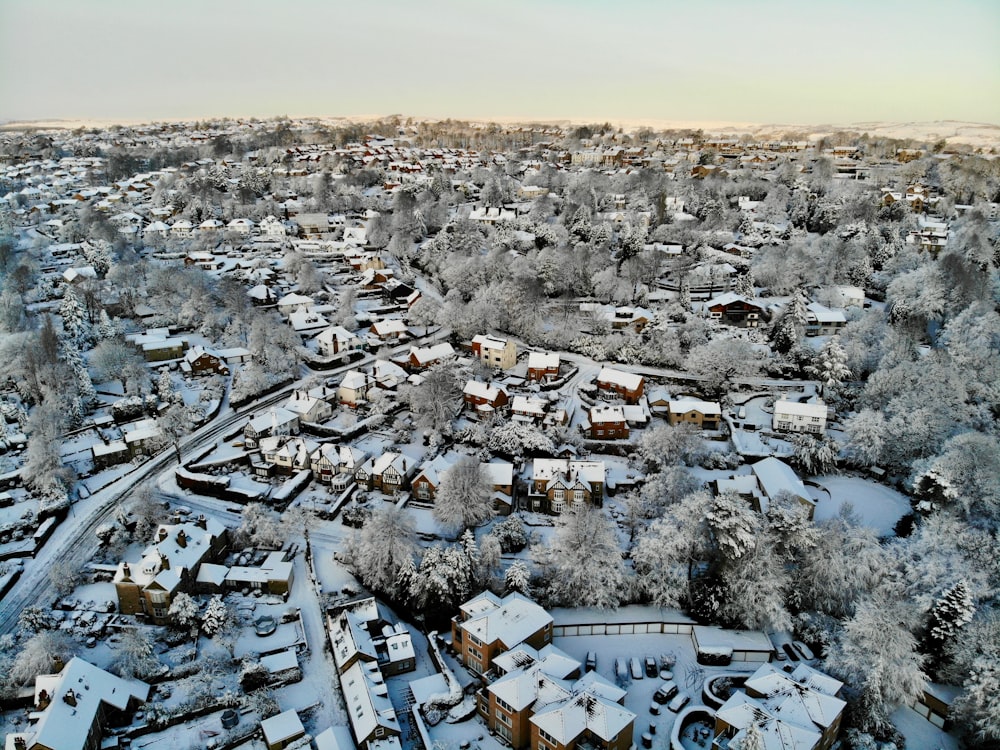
168	566
388	473
792	416
362	631
336	339
371	713
487	626
73	707
422	357
703	414
282	730
273	423
543	366
354	387
485	398
558	482
389	329
798	709
308	408
735	310
612	383
606	422
822	321
498	353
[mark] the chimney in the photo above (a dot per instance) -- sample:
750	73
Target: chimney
126	570
70	698
162	534
201	523
182	540
57	664
164	561
43	699
20	744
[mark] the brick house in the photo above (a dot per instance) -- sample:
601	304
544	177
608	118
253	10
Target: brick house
198	360
606	423
542	366
612	383
703	414
168	566
557	482
484	397
735	310
798	710
487	626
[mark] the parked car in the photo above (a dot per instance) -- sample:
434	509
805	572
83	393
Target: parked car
654	708
680	700
591	661
635	667
666	691
787	648
651	670
779	654
804	650
621	669
742	413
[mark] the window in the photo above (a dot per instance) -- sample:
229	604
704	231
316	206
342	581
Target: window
504	705
504	718
577	497
423	491
558	494
380	732
475	640
546	736
558	505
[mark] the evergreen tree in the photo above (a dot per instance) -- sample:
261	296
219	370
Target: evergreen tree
73	316
517	578
952	611
830	367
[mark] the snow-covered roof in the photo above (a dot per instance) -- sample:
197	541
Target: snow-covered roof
627	380
367	699
800	409
605	414
433	353
711	637
543	361
478	389
500	473
350	638
486	341
281	661
282	728
510	620
687	404
64	726
775	476
545	469
568	719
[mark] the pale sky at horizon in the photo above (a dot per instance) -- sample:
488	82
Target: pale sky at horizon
769	61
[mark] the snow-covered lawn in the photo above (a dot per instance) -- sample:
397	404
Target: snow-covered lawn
878	506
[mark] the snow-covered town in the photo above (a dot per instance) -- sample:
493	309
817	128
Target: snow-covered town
412	433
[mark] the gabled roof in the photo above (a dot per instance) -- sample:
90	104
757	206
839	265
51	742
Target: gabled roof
510	620
627	380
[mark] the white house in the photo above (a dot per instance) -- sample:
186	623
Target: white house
792	416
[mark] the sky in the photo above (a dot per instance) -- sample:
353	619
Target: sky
761	61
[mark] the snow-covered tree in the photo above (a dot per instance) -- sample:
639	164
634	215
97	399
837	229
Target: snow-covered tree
583	564
965	476
135	657
261	527
385	544
464	498
830	367
518	439
734	525
37	655
667	444
866	434
952	611
183	611
977	709
877	655
436	401
750	739
115	359
518	578
668	554
753	588
815	455
443	579
721	362
510	533
43	467
35	619
74	316
217	618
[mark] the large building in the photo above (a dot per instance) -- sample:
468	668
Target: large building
558	483
792	416
488	626
792	710
500	354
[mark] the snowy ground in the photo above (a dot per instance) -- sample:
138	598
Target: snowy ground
878	506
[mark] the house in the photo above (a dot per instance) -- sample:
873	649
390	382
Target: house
792	416
721	646
286	455
262	295
329	461
294	302
822	321
362	631
242	226
271	228
498	353
636	318
336	339
796	710
539	700
168	566
422	357
354	388
428	478
775	477
78	275
157	345
282	730
389	329
273	576
275	422
735	310
485	398
606	423
612	383
487	626
142	438
309	409
373	719
198	360
313	225
73	707
542	366
388	473
109	454
528	409
307	322
558	481
704	414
